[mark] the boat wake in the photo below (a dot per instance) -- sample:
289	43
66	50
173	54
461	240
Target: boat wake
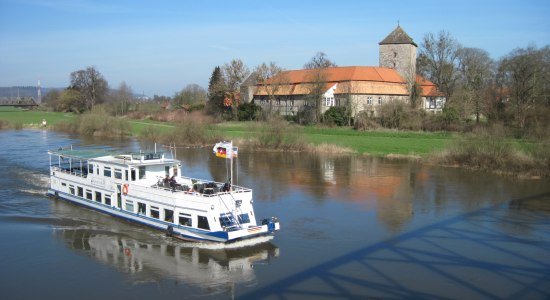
219	246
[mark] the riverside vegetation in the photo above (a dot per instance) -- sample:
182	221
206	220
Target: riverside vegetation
486	148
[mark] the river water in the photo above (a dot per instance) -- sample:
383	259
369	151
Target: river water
352	227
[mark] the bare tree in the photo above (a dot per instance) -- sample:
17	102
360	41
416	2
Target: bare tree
234	73
271	80
122	97
437	61
525	72
319	61
476	72
191	94
317	85
91	84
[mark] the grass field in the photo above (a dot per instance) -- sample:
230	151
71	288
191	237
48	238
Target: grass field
371	142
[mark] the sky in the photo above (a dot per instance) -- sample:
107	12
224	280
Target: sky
159	47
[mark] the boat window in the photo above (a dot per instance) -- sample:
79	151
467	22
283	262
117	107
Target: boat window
129	205
185	220
98	196
107	171
154	211
118	173
89	194
169	215
80	191
141	208
203	223
71	189
166	170
244	218
90	168
141	172
227	220
63	184
125	174
133	174
108	199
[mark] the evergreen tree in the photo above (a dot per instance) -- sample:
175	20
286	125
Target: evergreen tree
216	92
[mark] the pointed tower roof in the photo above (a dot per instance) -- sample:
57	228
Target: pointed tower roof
398	36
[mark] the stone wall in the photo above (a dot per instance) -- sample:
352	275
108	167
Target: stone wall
401	57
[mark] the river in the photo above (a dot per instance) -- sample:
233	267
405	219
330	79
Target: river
352	227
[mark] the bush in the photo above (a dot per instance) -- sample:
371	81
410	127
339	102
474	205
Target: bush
189	132
336	115
390	114
249	112
277	134
96	122
489	149
364	122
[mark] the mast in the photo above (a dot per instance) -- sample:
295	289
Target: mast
231	155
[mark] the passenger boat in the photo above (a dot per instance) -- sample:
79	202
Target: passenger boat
149	189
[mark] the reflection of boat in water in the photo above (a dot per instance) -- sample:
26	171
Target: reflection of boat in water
131	186
201	267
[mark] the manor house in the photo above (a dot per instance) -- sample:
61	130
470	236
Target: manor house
363	88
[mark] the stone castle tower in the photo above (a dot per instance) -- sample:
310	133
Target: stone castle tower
398	51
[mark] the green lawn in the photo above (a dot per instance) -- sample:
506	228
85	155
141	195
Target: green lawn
27	117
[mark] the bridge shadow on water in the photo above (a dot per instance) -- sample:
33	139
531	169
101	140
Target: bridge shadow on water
496	252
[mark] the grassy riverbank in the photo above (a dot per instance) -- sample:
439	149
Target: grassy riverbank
486	150
362	142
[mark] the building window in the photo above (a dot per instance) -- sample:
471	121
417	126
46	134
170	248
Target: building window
118	173
154	212
107	171
98	196
185	220
141	208
369	100
329	101
129	205
169	215
432	103
203	223
379	100
108	199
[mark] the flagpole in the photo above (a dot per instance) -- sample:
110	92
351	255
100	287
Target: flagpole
231	154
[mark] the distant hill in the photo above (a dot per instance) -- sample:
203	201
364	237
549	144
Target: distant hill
30	91
23	91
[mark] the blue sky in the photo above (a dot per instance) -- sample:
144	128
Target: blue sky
158	47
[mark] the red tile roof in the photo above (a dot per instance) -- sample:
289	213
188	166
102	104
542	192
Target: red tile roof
353	79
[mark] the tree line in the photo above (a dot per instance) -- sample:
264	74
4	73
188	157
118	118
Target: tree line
512	90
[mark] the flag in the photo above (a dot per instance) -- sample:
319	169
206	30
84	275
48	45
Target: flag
225	150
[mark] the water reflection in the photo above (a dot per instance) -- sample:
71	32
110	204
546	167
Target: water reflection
150	256
203	268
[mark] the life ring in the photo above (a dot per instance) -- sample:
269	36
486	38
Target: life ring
127	251
125	189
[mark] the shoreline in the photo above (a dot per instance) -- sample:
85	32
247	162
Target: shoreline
305	144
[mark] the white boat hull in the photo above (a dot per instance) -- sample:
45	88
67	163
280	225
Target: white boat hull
177	231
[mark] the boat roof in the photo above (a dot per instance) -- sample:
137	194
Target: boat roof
114	157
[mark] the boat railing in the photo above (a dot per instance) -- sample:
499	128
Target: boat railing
74	171
195	186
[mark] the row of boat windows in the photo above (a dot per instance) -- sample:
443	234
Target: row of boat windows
184	219
118	174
